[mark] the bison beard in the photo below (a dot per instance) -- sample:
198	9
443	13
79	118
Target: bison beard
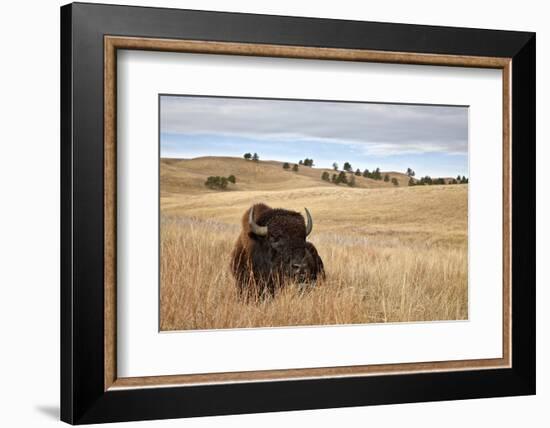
271	250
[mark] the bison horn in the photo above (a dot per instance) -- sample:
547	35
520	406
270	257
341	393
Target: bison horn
309	224
256	230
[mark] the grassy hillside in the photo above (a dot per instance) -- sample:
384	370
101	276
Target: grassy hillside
188	175
392	253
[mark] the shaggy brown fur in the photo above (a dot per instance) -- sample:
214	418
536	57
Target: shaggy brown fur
262	264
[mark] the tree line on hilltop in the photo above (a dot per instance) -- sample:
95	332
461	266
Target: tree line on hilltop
250	156
345	176
427	180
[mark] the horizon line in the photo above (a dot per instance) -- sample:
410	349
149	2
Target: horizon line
314	167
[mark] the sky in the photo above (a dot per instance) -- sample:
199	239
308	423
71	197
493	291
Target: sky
432	140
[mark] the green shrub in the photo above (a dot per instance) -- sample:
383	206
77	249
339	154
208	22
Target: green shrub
217	182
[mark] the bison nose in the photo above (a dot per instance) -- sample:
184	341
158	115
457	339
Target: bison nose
297	268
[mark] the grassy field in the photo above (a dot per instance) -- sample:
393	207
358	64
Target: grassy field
391	253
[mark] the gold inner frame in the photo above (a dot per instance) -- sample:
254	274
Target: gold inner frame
113	43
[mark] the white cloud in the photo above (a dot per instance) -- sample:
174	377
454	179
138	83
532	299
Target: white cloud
372	128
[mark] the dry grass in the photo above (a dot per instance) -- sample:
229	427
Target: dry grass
391	254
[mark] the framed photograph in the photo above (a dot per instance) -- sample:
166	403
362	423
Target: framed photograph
266	213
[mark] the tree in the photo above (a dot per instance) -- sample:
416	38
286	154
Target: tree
255	157
212	182
426	180
217	182
366	173
335	166
412	182
453	181
347	166
334	178
376	174
325	176
295	168
394	181
463	180
247	156
308	162
342	178
386	178
458	178
286	165
301	162
358	172
410	172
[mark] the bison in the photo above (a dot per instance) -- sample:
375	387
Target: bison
272	250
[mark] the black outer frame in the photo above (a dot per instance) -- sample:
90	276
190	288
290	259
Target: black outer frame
83	399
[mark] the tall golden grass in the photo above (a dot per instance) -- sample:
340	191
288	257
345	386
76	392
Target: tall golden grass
390	255
363	284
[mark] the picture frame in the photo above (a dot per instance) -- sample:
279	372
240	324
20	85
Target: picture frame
91	35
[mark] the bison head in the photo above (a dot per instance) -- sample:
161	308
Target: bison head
281	247
272	249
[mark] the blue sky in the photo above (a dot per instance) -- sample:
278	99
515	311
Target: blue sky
432	140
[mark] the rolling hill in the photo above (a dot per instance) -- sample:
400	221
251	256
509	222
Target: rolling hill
189	175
